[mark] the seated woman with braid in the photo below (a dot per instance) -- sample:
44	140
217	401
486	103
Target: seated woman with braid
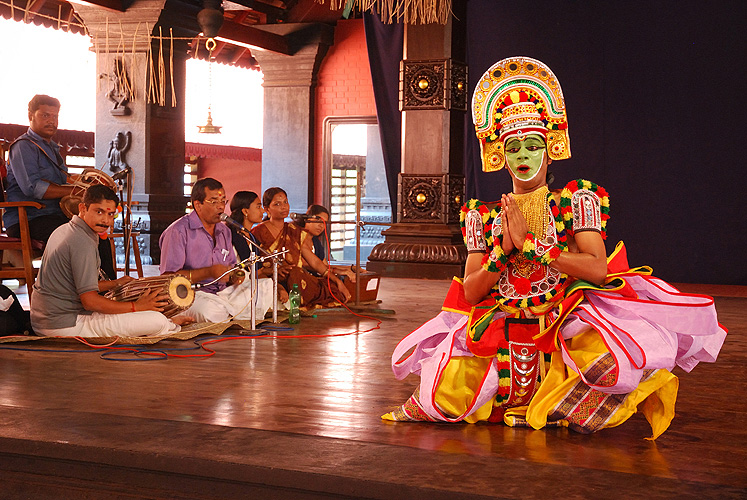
275	234
545	330
246	209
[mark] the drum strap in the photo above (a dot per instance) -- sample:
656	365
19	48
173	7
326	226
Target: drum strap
56	162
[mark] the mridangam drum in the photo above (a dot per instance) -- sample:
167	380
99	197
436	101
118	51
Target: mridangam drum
176	287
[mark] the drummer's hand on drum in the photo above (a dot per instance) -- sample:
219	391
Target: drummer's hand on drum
123	280
152	300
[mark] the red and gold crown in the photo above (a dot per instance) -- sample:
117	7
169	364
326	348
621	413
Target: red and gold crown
519	96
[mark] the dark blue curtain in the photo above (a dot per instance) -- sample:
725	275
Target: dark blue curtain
384	43
655	101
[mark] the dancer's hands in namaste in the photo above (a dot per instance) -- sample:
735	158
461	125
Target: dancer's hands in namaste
513	223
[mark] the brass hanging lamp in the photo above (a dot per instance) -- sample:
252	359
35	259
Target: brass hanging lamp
210	19
209	128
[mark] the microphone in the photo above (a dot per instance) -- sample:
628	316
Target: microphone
295	216
242	231
230	222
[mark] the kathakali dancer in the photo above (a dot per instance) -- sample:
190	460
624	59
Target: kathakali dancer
545	330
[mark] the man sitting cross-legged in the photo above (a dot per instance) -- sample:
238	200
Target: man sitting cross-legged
199	247
66	301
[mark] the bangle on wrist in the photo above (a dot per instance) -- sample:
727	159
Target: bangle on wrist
496	260
538	251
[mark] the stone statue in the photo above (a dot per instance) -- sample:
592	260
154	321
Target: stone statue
117	150
119	93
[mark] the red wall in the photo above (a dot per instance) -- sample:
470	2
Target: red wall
235	175
344	87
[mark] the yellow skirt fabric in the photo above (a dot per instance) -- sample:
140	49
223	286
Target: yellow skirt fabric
655	395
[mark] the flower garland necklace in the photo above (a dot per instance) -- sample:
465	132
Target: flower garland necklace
535	221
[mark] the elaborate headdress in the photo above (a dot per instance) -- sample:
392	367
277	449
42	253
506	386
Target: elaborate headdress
515	97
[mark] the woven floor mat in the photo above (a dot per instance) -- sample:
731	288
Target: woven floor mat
186	333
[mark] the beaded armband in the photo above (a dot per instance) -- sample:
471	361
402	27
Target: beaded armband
496	260
585	206
539	251
472	218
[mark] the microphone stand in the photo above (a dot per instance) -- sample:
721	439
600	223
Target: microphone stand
253	274
253	285
275	289
127	221
124	176
250	262
360	224
246	235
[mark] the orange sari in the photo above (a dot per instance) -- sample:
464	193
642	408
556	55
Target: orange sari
314	291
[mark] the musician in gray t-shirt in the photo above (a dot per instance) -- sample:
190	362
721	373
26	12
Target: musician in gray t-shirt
66	300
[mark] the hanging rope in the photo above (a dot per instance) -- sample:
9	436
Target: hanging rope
210	46
407	11
171	68
160	77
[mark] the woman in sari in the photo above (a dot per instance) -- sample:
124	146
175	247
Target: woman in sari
275	235
246	209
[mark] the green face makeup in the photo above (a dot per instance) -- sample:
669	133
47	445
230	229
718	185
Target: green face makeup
524	158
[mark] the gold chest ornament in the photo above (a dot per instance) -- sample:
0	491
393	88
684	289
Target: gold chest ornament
535	208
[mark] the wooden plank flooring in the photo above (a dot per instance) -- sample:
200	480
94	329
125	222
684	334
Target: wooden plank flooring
300	418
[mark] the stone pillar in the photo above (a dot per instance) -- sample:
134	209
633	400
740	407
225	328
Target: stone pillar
150	135
288	133
426	241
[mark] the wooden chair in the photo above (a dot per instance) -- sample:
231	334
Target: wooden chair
24	244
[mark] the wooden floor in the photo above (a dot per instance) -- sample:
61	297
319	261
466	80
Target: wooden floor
282	417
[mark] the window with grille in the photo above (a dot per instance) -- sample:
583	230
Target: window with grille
352	145
342	202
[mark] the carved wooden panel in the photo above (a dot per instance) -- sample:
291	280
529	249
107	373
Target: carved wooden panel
430	198
432	84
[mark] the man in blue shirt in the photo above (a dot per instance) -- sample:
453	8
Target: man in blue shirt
37	172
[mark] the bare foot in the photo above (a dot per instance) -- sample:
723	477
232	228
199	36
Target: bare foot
182	320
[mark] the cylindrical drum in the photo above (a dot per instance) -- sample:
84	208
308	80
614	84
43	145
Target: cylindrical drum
89	177
176	287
